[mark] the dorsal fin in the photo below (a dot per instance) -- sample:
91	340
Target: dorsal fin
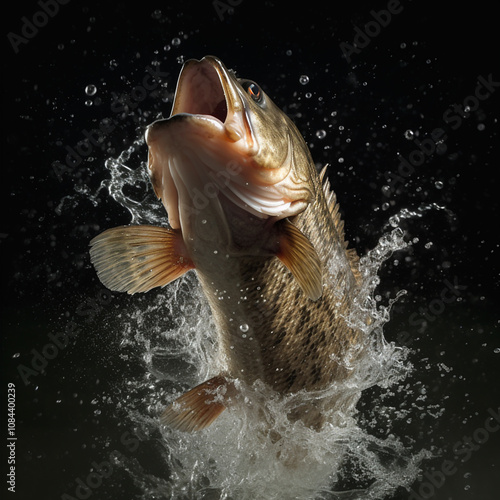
333	207
323	172
353	258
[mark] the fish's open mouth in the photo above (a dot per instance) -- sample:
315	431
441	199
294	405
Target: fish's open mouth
201	93
206	89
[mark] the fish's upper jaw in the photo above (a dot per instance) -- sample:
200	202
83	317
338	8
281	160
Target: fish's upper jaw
208	90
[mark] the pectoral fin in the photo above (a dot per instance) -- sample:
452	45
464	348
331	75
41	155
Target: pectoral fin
138	258
199	407
299	256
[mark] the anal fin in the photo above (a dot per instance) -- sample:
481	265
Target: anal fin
138	258
199	407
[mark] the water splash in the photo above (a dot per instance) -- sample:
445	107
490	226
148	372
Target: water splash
242	455
130	187
406	213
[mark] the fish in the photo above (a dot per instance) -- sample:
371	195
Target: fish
258	222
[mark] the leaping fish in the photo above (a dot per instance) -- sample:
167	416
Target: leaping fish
249	212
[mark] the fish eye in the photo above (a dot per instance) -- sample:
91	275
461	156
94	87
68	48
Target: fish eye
254	91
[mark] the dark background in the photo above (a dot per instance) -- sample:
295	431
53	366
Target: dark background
424	61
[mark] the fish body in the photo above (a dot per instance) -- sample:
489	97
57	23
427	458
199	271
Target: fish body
250	214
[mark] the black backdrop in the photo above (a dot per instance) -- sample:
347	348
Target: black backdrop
403	77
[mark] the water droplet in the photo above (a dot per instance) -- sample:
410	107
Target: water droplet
496	350
244	327
204	221
16	355
308	95
428	245
288	52
90	89
409	134
88	102
156	14
321	134
304	79
403	45
481	127
438	184
394	221
176	42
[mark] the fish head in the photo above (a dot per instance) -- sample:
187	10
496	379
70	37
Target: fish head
227	154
